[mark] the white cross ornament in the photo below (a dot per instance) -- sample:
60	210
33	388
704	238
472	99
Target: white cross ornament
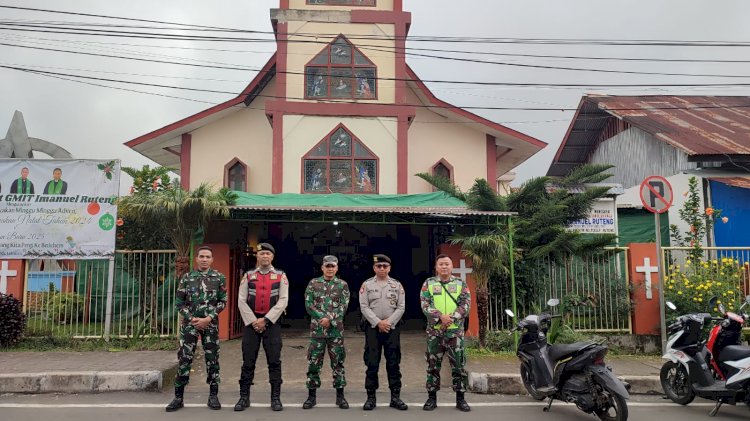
462	270
4	274
647	269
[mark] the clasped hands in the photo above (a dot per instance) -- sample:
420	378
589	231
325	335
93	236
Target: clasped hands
445	321
200	323
259	325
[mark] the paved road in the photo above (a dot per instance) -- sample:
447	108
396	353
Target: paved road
144	407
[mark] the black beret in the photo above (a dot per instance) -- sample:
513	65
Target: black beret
266	247
381	258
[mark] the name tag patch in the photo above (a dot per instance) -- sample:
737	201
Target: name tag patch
437	289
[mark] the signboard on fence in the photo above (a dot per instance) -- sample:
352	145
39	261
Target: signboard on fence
58	209
601	220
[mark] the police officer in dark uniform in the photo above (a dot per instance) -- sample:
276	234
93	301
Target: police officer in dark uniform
381	299
262	298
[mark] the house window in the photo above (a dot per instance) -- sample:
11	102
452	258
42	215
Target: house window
343	2
443	169
235	175
340	163
340	71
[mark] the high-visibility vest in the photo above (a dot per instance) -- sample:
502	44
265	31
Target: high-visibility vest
440	299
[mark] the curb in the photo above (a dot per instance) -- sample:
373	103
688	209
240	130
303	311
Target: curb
510	384
81	382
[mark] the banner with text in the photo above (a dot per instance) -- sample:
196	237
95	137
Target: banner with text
602	219
58	209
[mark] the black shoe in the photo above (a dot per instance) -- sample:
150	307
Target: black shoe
396	401
177	401
340	399
461	402
371	402
276	398
431	403
243	403
175	405
213	397
311	401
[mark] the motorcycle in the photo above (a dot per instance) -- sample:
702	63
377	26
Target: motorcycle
574	373
717	369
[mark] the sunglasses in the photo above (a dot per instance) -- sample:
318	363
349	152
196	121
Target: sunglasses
330	265
382	265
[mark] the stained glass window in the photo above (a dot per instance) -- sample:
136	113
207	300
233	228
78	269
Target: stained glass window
340	71
237	177
340	163
343	2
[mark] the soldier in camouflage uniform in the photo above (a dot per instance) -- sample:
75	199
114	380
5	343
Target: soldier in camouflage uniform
326	301
201	296
445	301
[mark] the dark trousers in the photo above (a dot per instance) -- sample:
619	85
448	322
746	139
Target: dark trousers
251	340
375	343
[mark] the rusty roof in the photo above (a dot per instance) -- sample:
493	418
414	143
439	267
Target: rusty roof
697	125
742	182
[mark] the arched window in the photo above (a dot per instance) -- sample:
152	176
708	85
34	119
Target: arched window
340	71
343	2
340	163
443	169
235	175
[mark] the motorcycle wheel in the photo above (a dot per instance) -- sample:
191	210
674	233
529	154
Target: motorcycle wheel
675	381
616	410
527	377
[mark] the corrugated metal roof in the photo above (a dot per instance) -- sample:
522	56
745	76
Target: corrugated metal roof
458	211
743	182
697	125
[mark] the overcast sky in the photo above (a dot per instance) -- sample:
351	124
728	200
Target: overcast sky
93	122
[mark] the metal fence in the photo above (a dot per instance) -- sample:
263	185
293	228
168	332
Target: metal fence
594	291
128	296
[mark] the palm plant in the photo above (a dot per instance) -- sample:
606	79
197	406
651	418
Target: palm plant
183	213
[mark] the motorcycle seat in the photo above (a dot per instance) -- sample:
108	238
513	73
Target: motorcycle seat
734	353
559	351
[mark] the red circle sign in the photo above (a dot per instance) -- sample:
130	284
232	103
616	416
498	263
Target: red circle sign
656	194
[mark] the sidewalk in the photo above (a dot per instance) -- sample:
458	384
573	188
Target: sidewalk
93	372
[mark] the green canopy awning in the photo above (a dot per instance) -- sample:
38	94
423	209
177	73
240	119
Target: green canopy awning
338	200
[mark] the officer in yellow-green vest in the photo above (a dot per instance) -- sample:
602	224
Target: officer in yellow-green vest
445	302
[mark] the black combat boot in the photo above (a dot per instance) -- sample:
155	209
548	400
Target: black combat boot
461	402
244	401
396	401
213	397
431	401
310	401
340	399
177	401
370	403
276	398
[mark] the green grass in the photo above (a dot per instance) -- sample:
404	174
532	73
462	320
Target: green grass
49	343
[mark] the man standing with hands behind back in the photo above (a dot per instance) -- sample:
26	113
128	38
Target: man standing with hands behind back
262	298
381	299
445	301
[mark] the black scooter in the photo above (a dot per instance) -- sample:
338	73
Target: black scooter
573	373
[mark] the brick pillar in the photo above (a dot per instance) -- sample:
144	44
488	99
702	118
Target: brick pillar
642	260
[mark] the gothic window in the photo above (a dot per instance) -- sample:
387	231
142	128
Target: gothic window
443	169
340	163
343	2
340	71
235	175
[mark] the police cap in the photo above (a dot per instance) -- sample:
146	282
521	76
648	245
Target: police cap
266	247
381	258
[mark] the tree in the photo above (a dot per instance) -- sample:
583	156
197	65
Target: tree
182	213
132	234
699	220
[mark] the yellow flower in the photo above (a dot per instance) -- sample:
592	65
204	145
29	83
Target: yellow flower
700	300
718	284
671	287
679	292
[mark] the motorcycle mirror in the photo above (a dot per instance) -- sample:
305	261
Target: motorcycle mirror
553	302
671	305
509	313
712	301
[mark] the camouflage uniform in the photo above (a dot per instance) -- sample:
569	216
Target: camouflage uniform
200	294
326	299
451	340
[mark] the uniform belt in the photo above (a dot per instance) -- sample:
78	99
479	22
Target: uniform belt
260	315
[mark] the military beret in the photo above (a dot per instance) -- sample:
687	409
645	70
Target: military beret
381	258
330	259
266	247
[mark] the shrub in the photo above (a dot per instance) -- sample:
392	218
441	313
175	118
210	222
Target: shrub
692	285
65	307
12	320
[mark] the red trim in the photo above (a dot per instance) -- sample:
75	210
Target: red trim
172	151
398	5
282	46
185	160
229	166
283	4
381	16
492	162
205	113
446	164
277	160
339	109
374	3
328	158
402	154
471	116
570	129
